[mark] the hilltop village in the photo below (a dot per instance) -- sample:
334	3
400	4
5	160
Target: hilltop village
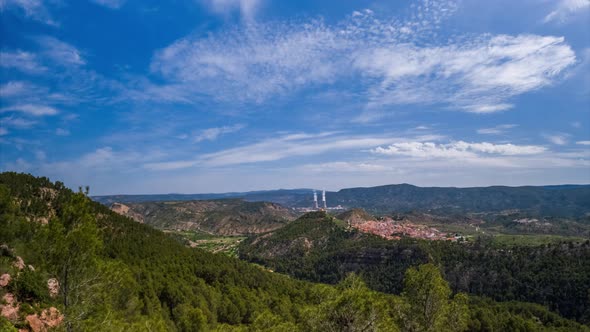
391	229
385	227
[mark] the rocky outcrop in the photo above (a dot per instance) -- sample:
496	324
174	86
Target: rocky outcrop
125	210
19	263
5	280
53	287
49	319
10	308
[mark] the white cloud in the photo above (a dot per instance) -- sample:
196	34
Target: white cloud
212	134
62	132
476	75
247	8
60	52
456	150
565	9
13	88
40	155
261	61
583	142
500	129
23	61
34	9
31	109
557	139
283	147
3	131
12	121
484	108
112	4
252	63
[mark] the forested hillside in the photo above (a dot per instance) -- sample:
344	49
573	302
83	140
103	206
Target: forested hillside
320	248
109	273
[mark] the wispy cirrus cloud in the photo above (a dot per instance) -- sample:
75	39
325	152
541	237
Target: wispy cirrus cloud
283	147
212	134
31	109
392	62
26	62
12	121
14	88
564	9
60	52
34	9
499	129
247	8
478	75
558	139
112	4
51	51
252	63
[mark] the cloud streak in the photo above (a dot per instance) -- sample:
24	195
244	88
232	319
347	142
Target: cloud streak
212	134
455	150
24	61
497	130
282	147
247	8
565	9
34	9
31	109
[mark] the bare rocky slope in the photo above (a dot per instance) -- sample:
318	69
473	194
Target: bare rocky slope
220	217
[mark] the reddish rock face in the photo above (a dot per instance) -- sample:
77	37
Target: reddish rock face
10	309
49	318
5	279
19	263
35	323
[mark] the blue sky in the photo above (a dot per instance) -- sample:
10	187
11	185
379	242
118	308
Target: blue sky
235	95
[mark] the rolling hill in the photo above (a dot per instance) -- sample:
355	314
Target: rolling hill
321	248
219	217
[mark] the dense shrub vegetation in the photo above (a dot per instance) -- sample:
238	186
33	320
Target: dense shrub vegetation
317	249
119	275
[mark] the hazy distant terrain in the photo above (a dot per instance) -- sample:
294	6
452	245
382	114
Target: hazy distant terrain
557	201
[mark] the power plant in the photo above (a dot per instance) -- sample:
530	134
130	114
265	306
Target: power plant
315	201
316	206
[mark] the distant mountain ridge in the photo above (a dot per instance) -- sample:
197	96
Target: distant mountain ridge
555	200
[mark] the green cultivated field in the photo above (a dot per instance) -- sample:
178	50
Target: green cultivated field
212	243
